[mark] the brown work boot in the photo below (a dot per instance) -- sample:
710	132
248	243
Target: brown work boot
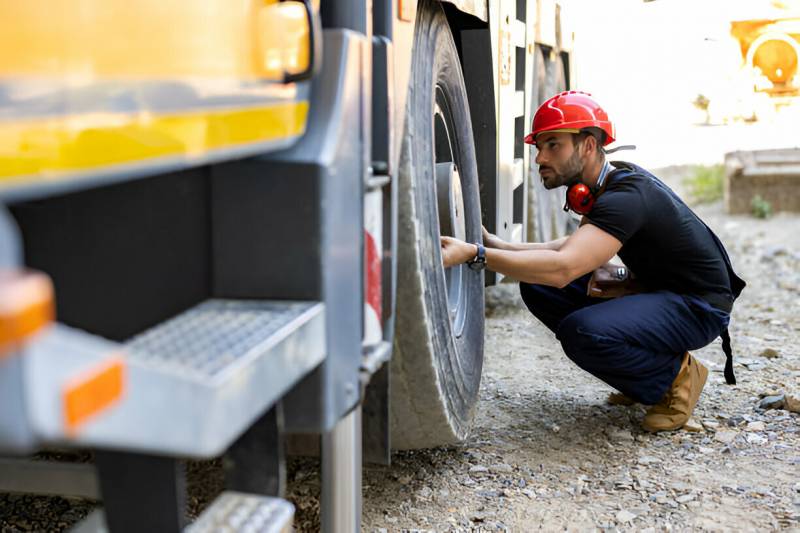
675	408
617	398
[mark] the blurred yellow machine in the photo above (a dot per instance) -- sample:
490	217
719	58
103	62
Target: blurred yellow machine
771	47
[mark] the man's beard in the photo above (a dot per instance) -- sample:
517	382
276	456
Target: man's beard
570	173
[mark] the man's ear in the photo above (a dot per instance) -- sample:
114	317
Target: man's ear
584	147
591	144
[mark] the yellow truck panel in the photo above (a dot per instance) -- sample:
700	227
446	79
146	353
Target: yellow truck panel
103	83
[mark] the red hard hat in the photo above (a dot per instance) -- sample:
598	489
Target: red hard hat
570	110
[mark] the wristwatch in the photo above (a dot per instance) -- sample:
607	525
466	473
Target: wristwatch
478	262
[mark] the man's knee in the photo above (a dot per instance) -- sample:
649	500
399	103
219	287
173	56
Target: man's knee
577	336
572	327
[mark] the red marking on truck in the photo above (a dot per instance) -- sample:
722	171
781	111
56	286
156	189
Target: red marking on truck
373	269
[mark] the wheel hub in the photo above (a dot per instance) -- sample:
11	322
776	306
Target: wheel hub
450	203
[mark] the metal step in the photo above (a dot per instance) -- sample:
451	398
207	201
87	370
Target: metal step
234	512
215	336
230	512
191	384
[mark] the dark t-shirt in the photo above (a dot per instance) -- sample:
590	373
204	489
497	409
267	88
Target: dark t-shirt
664	243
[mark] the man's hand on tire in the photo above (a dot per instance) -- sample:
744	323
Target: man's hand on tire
456	252
490	240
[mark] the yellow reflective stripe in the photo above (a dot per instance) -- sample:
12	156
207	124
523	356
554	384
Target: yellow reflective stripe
84	142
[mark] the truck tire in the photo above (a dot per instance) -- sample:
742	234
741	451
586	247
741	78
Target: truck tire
541	202
563	222
438	351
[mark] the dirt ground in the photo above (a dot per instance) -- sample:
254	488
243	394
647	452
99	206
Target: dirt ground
547	453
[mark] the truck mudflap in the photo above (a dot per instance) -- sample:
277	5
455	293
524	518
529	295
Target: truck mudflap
186	387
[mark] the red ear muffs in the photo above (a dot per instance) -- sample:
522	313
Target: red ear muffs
579	198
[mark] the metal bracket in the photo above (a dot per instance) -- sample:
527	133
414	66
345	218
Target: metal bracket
376	437
255	463
142	492
49	477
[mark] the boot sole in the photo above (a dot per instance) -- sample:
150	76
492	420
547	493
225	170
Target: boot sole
617	398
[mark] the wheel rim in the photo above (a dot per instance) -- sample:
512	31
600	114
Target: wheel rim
450	203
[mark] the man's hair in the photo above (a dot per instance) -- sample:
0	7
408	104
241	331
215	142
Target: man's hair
599	136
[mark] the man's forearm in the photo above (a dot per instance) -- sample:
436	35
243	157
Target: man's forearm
544	267
585	250
521	246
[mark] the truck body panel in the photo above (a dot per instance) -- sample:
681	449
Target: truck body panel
198	83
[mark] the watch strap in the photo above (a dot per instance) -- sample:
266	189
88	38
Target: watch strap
480	256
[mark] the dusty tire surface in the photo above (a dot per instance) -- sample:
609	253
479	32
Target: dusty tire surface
540	200
547	219
437	360
563	222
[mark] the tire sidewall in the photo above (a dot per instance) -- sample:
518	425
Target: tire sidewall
458	360
540	221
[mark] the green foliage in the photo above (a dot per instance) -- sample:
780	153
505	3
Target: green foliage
760	207
701	102
705	183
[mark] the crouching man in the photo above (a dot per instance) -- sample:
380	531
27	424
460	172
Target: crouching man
635	339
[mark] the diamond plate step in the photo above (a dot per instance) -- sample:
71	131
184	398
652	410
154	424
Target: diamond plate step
234	512
192	384
213	336
230	512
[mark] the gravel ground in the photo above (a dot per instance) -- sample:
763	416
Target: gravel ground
548	453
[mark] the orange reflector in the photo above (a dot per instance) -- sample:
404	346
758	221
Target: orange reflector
405	10
26	304
90	393
284	40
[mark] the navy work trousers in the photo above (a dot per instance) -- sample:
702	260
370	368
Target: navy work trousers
634	343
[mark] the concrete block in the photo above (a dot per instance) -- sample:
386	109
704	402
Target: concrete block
772	174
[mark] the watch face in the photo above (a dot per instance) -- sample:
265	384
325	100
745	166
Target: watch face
477	265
